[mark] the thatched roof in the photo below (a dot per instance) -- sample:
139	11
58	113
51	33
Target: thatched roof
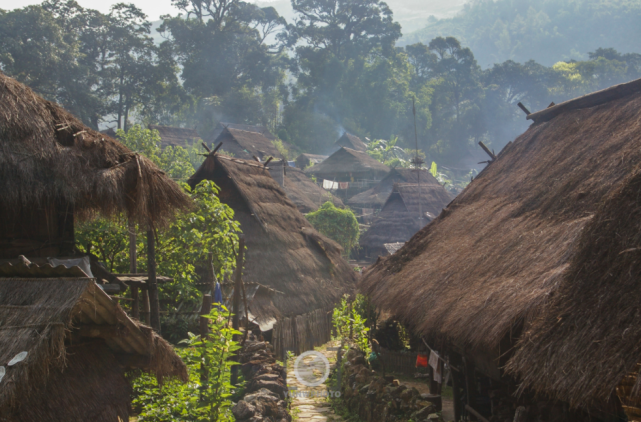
399	220
301	190
50	318
175	136
47	155
247	145
346	163
351	141
247	128
376	196
515	236
304	160
284	251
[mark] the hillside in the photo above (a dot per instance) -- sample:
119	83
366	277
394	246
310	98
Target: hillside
546	31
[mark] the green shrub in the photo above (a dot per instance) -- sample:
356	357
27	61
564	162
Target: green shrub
337	224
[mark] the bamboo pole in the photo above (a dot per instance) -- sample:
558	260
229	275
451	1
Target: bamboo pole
152	282
236	299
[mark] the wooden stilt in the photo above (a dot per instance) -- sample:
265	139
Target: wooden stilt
152	284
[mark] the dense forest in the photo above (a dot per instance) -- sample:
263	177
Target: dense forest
336	66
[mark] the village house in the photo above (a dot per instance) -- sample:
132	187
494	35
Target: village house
408	208
304	269
351	142
57	323
305	160
247	128
247	145
375	197
300	189
175	136
349	172
532	268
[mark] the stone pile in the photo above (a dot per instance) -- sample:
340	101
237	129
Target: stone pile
266	385
377	399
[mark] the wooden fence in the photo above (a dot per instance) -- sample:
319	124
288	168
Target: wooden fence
404	363
302	333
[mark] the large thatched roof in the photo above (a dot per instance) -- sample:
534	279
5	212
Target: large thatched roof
346	162
247	145
47	155
376	196
301	190
52	319
520	234
171	136
284	251
248	128
399	220
351	141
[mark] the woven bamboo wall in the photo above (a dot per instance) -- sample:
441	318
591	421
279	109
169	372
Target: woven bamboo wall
302	333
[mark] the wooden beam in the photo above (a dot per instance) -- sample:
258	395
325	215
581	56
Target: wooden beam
135	306
475	413
525	110
487	150
236	299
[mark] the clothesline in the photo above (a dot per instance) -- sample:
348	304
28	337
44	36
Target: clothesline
438	356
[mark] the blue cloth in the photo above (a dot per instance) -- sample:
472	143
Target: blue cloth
218	295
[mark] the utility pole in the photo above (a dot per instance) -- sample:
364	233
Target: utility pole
417	165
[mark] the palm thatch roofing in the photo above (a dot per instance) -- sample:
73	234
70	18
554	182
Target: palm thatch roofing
376	196
304	160
171	136
78	341
351	141
538	223
247	145
284	251
301	190
346	164
247	128
47	156
399	219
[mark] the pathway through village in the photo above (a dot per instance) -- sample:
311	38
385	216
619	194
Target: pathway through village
311	406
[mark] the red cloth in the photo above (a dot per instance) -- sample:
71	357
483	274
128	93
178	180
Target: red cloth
421	361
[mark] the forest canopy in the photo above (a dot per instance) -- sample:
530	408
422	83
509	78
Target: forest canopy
336	66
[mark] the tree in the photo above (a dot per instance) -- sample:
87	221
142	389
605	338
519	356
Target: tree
337	224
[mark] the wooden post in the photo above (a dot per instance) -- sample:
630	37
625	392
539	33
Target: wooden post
151	281
145	306
433	383
236	299
458	382
470	387
204	331
135	306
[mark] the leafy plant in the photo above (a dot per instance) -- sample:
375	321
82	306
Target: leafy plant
202	398
434	170
282	149
350	323
337	224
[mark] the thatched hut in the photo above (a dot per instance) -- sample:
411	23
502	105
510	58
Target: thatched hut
402	217
350	141
247	145
78	344
239	126
535	227
300	189
375	197
54	169
171	136
284	252
305	160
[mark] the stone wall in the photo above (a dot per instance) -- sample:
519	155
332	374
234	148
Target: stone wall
266	385
375	398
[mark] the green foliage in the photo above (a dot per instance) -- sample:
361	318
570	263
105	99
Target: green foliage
349	321
207	399
337	224
434	169
208	228
281	148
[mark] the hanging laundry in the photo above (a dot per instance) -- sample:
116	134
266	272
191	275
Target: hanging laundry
433	360
343	185
421	361
329	185
438	377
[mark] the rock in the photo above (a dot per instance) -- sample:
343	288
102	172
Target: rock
396	383
406	395
254	347
351	354
243	410
255	419
273	386
358	360
433	417
362	376
262	394
267	377
396	392
423	413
